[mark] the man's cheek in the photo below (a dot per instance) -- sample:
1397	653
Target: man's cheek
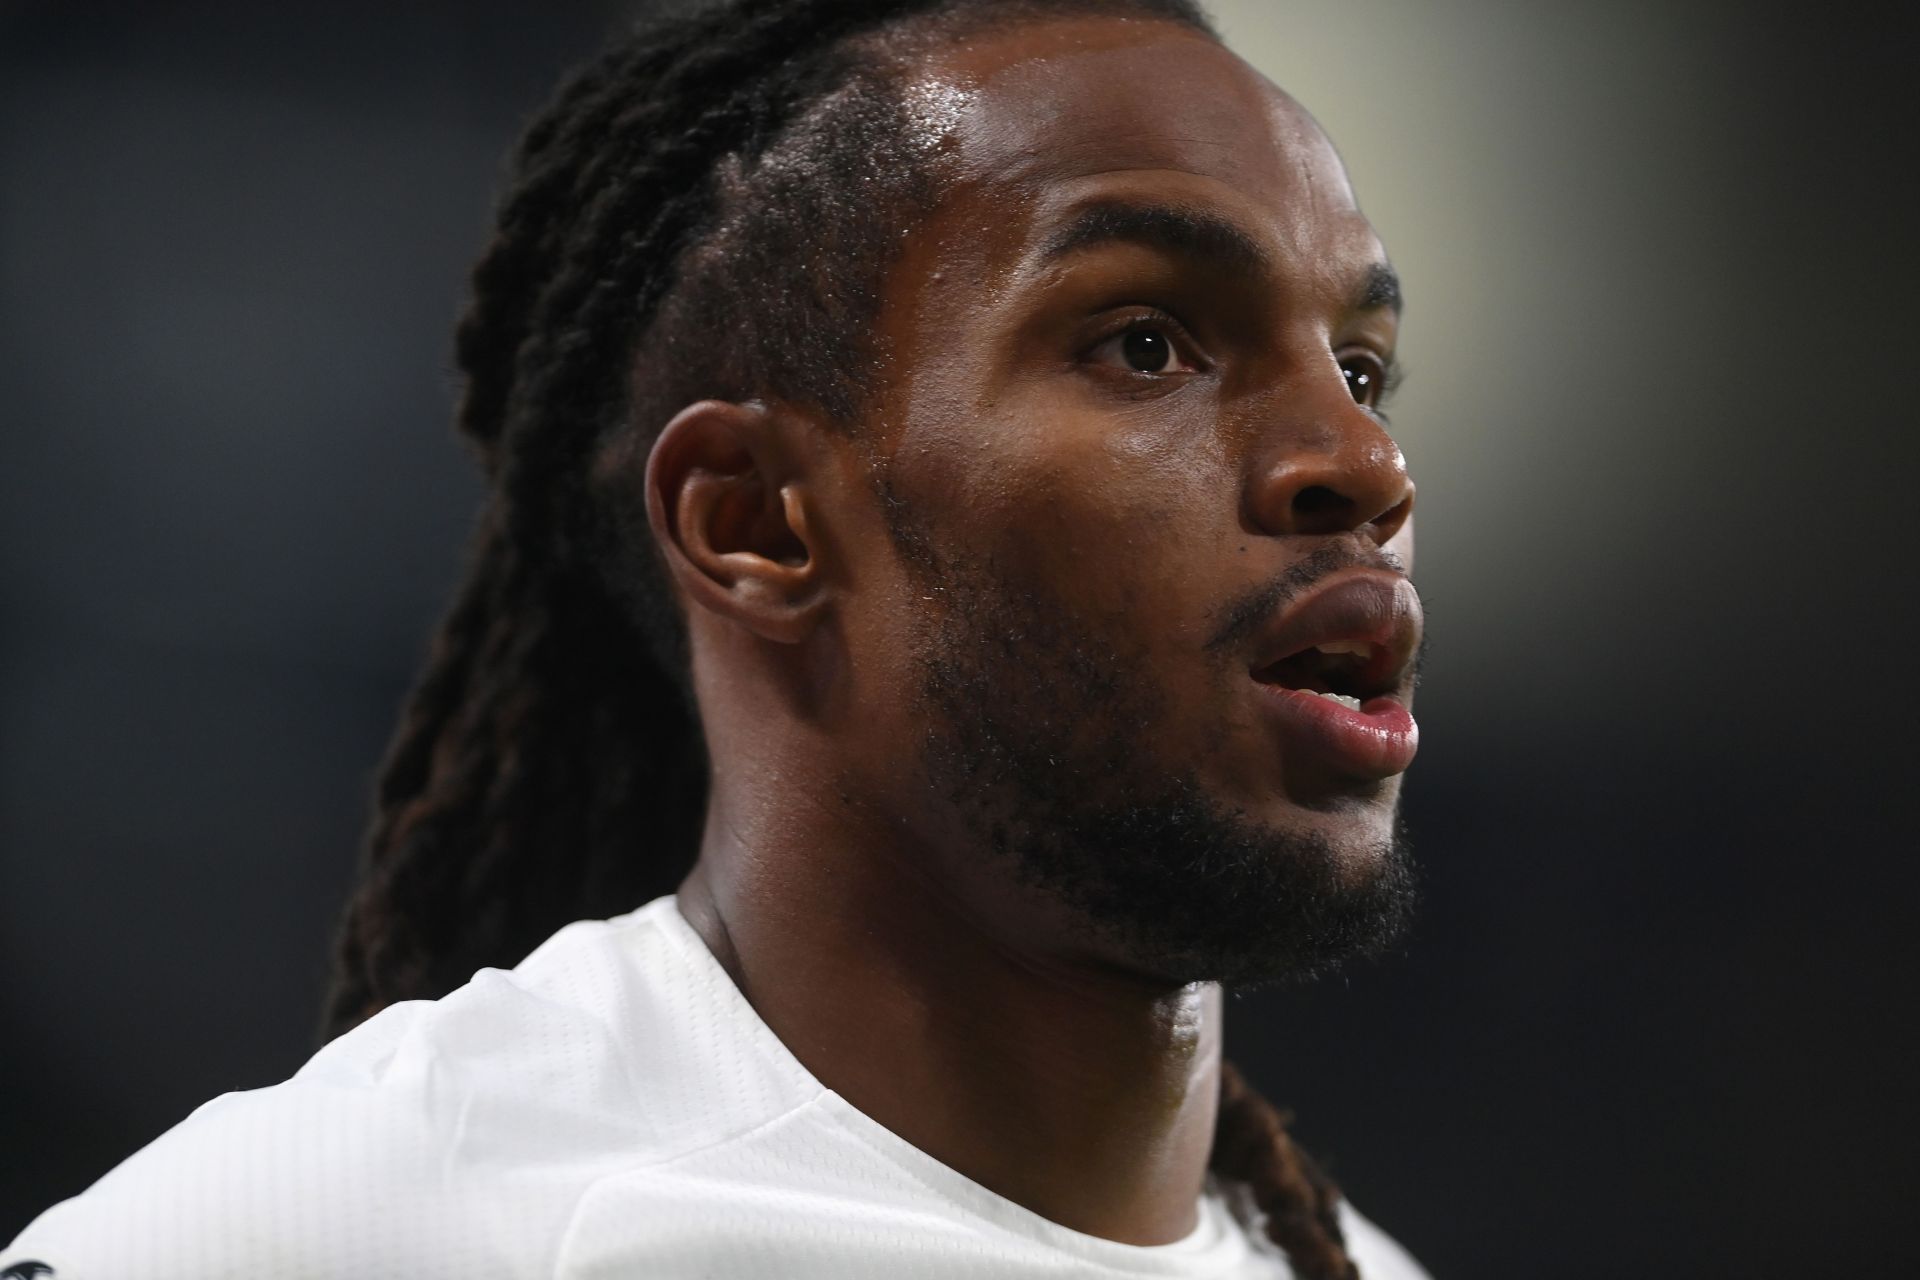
1400	545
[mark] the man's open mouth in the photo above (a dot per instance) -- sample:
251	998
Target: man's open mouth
1348	672
1337	668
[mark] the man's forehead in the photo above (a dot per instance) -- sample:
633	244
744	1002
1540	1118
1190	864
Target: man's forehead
1040	122
1071	98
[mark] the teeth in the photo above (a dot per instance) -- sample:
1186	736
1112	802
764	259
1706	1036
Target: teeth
1360	647
1350	703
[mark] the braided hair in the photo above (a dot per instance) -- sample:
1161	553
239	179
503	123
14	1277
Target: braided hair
542	772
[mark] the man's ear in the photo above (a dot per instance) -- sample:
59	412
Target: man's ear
727	505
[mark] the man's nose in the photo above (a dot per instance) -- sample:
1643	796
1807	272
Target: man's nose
1337	471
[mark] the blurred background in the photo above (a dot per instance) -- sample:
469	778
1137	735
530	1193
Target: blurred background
1657	1018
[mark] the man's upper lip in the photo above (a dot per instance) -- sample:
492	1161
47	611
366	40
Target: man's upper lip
1374	606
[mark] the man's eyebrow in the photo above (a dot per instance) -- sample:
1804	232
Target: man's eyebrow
1197	234
1381	288
1169	228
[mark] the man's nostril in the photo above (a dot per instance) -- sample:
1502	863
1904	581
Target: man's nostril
1318	500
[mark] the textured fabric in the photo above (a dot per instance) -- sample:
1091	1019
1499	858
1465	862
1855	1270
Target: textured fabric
612	1107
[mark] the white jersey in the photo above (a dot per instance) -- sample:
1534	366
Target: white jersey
612	1107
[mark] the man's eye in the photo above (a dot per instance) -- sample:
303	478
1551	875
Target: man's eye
1146	350
1143	349
1366	378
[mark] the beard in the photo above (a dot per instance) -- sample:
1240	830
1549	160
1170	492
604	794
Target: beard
1045	738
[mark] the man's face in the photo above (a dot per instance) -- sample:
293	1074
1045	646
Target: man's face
1141	509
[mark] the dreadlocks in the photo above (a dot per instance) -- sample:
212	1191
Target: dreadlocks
543	773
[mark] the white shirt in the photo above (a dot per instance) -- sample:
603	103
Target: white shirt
612	1107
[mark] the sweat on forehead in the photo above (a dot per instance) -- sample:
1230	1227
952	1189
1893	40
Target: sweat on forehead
1053	118
1071	97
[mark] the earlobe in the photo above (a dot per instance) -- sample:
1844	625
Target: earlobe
728	509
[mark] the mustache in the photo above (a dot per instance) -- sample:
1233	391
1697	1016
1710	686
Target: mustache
1245	614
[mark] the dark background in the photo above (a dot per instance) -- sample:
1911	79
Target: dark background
1657	1018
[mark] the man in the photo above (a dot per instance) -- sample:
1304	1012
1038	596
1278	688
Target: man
938	476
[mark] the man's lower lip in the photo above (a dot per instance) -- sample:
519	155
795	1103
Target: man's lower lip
1377	741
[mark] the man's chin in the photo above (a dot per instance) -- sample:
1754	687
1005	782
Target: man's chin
1188	896
1359	841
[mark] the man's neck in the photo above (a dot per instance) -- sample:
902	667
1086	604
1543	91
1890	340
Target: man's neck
1084	1095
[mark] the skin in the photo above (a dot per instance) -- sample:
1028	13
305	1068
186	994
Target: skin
980	1019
